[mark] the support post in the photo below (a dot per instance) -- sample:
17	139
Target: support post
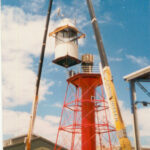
134	112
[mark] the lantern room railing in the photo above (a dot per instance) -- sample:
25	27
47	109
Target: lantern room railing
83	69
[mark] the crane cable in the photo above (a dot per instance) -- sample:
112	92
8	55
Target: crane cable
35	103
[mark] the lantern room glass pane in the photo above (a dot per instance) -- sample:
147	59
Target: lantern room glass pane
72	33
66	35
59	34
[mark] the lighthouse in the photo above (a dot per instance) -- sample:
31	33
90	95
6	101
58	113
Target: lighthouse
84	112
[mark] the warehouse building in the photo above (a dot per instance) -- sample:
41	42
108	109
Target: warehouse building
38	143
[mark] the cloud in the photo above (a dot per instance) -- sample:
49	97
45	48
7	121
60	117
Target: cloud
24	32
52	119
126	114
120	50
33	6
81	42
111	59
21	43
96	59
115	59
46	127
106	18
143	122
141	61
144	125
53	69
76	13
81	14
22	38
57	105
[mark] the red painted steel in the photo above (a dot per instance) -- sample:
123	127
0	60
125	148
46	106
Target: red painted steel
84	119
84	81
88	130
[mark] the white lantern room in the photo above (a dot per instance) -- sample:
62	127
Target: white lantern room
66	43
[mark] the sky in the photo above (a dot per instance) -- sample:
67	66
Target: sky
125	29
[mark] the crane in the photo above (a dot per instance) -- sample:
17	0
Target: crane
35	102
108	84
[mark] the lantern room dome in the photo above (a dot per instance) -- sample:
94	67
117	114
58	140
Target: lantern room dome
63	24
66	21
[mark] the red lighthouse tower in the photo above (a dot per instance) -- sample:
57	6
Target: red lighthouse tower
84	81
84	115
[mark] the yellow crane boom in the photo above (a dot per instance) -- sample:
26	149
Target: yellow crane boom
113	101
108	84
35	102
